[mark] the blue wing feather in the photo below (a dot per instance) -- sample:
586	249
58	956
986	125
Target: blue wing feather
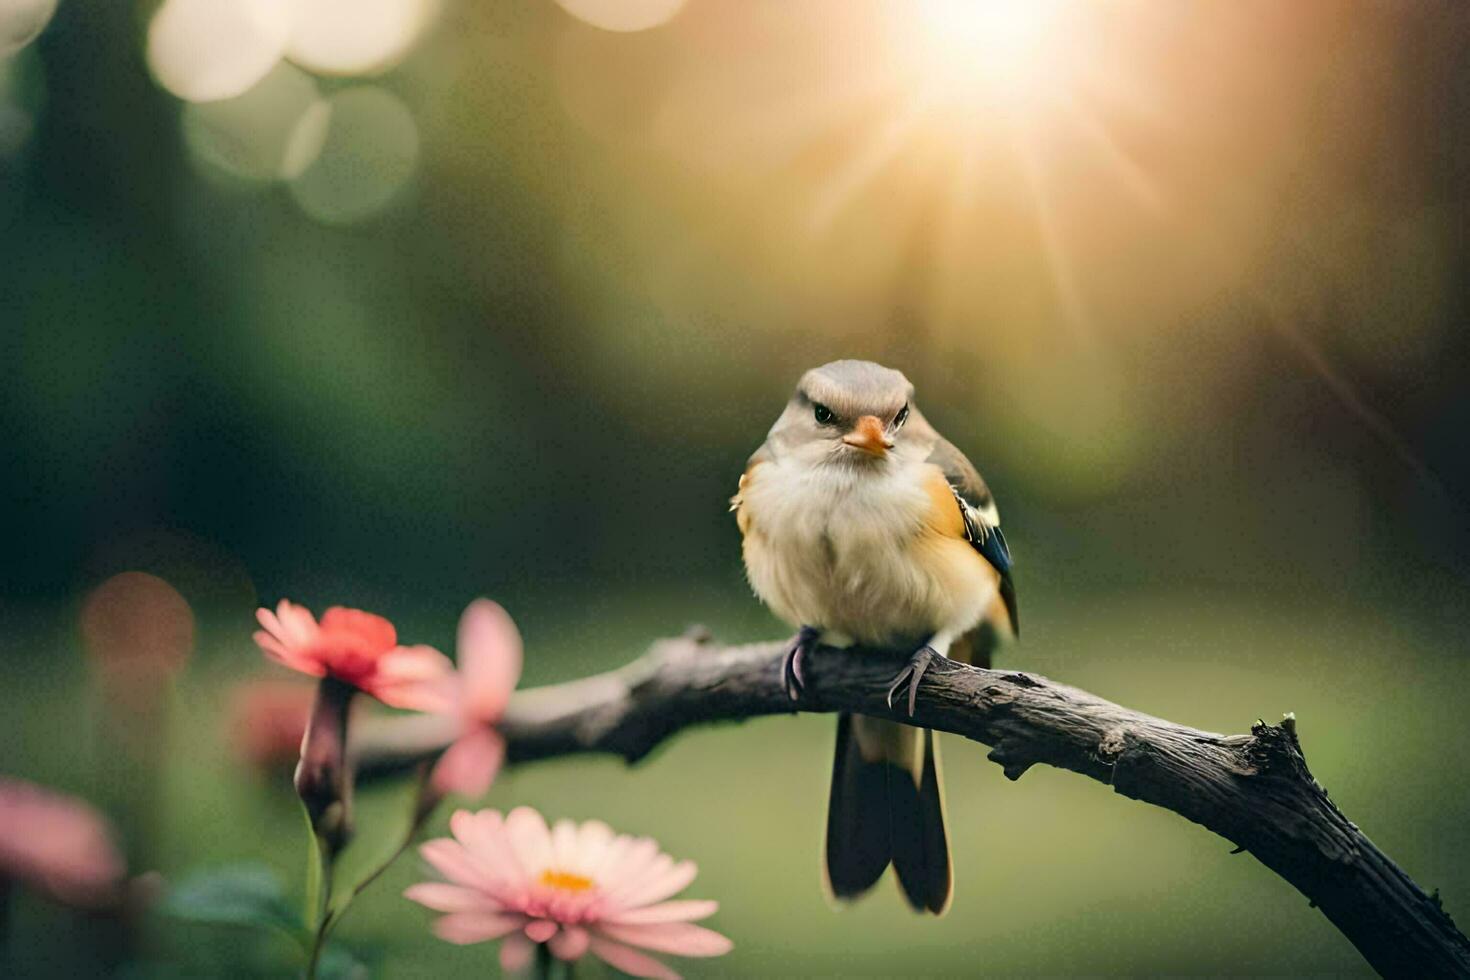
994	550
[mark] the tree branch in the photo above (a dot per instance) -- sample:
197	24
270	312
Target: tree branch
1254	790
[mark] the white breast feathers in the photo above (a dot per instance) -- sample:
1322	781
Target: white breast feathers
860	551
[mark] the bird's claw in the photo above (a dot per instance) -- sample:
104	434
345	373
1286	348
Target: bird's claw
793	678
911	674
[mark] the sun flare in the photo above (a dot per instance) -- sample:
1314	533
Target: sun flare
984	50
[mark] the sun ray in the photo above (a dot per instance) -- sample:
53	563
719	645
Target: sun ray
877	153
950	248
1123	167
1347	394
1058	260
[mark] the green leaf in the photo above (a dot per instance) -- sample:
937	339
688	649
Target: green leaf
236	895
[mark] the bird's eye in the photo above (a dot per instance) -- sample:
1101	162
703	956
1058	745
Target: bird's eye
901	417
823	414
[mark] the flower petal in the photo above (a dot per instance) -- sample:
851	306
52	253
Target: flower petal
657	887
468	767
540	930
630	961
593	840
678	938
480	831
268	622
515	953
297	626
564	845
450	898
288	657
570	943
267	641
647	863
632	858
420	662
476	927
529	838
417	677
484	837
451	860
369	629
687	910
490	659
600	866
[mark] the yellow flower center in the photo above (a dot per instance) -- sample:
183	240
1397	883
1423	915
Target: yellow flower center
565	881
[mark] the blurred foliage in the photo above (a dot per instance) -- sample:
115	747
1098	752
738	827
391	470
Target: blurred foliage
1193	298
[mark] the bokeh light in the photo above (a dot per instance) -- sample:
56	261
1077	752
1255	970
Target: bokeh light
357	37
135	626
202	50
256	115
21	21
273	131
369	154
623	15
20	90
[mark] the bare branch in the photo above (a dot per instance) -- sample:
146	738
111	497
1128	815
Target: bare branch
1254	790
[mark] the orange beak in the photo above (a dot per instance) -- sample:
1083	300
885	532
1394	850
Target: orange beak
868	436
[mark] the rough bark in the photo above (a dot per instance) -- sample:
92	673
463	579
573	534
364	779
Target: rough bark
1254	790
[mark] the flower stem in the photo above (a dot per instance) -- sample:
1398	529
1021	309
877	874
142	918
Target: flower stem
318	944
319	868
324	783
323	779
7	889
541	966
422	808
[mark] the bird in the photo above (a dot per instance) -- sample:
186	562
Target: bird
861	524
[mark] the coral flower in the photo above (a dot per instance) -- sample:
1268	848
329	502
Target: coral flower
358	649
490	658
578	889
59	845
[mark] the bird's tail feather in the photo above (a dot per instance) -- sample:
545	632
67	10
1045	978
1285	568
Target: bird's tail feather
886	806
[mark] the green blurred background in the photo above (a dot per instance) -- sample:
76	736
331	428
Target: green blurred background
500	305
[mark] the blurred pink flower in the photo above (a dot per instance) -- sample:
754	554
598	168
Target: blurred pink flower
490	658
359	649
58	845
578	889
267	721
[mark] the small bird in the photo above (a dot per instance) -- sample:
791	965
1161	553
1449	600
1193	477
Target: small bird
862	524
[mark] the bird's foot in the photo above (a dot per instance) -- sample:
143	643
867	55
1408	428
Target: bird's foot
912	673
793	678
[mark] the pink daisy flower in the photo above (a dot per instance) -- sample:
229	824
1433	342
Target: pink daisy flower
357	648
59	845
578	889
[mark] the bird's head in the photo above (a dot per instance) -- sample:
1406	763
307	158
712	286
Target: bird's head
851	413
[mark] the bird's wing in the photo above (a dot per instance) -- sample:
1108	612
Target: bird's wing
981	516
